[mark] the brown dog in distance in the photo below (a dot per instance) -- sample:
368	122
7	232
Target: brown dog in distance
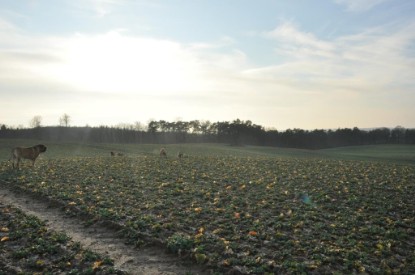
30	153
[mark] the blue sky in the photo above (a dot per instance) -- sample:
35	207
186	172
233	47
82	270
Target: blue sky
282	64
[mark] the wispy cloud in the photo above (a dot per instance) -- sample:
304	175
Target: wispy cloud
6	26
364	61
360	5
296	42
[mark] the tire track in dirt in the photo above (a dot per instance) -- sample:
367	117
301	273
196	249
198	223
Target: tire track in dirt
103	240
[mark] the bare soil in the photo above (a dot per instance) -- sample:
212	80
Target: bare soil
100	238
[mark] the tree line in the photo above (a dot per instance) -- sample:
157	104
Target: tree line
237	132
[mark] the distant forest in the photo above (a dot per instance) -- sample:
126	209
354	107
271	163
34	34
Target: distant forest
236	133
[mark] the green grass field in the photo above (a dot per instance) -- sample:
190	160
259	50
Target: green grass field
404	154
251	209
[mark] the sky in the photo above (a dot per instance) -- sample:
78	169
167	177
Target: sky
309	64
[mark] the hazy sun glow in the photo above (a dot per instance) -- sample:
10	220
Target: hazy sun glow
115	63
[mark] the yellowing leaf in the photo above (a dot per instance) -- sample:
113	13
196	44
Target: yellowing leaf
96	265
225	242
225	263
200	258
4	229
216	231
40	263
4	239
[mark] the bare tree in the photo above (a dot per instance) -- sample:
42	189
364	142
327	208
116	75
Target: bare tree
64	120
35	122
139	126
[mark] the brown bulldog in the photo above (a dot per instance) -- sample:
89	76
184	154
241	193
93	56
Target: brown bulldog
27	153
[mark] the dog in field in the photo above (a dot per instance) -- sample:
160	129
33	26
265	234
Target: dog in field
30	153
163	152
180	155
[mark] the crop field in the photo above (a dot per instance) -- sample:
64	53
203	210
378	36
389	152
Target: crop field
26	242
252	210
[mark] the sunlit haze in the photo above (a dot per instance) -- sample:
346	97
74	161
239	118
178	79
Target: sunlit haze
281	64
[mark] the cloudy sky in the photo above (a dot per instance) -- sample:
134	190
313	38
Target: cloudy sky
281	64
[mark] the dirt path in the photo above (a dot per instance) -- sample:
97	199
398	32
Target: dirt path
148	260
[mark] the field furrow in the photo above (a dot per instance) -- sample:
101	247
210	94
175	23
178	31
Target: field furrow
96	237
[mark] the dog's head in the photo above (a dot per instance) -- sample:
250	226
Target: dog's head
41	147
